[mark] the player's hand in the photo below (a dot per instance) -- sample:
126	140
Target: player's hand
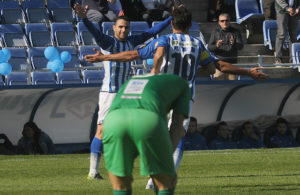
80	11
219	43
255	74
231	40
97	57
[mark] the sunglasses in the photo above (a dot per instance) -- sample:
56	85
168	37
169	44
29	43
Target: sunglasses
224	21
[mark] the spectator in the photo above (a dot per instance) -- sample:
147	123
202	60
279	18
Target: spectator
283	137
225	40
287	16
98	10
157	10
222	141
6	147
34	141
193	140
269	9
250	138
133	9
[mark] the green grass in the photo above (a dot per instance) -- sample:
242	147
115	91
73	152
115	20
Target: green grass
265	171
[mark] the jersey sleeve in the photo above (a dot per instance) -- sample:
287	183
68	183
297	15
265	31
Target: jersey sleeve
103	40
148	51
182	104
206	56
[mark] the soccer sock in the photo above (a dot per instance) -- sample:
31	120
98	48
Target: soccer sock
96	147
177	155
122	192
166	192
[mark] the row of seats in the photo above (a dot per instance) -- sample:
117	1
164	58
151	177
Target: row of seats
248	11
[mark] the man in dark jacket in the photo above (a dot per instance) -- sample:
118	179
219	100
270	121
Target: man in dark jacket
225	41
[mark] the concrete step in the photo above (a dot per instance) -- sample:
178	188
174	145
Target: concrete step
266	59
254	50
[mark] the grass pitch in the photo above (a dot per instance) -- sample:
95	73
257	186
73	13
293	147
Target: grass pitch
264	171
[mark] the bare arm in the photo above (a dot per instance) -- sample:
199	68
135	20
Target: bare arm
157	60
177	130
125	56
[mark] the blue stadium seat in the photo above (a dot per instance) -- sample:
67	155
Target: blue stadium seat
38	35
75	62
247	11
270	32
261	4
18	60
11	13
296	52
139	71
68	77
43	78
107	28
93	76
16	78
1	80
84	35
138	27
12	35
116	7
60	11
37	58
63	34
35	11
85	50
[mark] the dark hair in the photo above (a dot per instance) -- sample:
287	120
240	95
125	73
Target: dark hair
281	120
37	133
193	119
182	18
122	18
222	123
245	123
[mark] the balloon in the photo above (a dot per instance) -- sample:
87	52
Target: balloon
49	64
7	54
65	56
51	53
5	68
2	59
150	62
57	66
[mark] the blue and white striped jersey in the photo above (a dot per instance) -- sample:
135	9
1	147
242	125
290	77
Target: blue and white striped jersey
183	55
116	73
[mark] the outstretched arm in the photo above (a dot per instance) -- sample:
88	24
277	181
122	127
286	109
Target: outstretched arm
157	60
121	57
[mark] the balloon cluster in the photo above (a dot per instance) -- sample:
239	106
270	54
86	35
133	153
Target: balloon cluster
5	67
150	61
56	60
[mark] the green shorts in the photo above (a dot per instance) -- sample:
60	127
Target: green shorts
132	132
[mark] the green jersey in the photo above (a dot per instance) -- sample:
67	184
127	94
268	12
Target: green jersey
156	93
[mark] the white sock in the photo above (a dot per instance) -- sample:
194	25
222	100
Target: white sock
177	155
94	163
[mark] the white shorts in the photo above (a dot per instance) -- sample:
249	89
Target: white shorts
186	122
105	101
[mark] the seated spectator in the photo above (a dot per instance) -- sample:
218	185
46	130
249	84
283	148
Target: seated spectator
222	141
156	10
98	10
6	147
193	140
34	141
283	137
249	137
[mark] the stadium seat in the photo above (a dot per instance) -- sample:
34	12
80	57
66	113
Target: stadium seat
68	77
139	71
84	35
247	11
43	78
12	35
18	60
38	35
116	7
107	28
11	13
270	32
93	76
75	62
296	51
138	27
85	50
16	78
63	34
35	11
60	11
37	58
1	80
261	5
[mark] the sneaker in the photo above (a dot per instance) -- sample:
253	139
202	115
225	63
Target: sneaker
277	61
97	177
150	185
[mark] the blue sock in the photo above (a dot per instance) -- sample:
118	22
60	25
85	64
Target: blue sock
96	145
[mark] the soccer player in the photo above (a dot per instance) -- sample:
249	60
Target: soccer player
116	73
137	125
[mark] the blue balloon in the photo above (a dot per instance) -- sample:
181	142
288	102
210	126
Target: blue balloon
7	54
51	53
49	64
150	62
57	66
5	68
2	59
65	56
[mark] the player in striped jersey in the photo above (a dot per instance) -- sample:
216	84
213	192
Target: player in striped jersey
116	73
182	54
